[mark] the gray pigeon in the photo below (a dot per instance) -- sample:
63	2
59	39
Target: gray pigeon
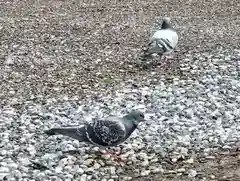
107	132
163	40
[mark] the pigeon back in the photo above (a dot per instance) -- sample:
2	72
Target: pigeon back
106	132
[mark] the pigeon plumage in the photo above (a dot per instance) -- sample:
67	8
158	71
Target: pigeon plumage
163	40
107	132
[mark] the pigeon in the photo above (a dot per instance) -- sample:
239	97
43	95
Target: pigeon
163	40
106	132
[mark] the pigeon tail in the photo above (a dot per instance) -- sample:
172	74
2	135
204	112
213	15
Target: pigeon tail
155	46
73	132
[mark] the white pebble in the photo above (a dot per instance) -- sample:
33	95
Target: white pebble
192	173
58	169
181	170
4	170
145	173
190	160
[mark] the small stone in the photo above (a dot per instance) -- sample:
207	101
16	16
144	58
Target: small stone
13	165
3	152
181	170
158	170
4	170
159	149
192	173
112	170
41	174
98	60
90	170
58	169
145	163
237	172
184	151
171	171
101	162
9	60
31	149
148	138
83	177
3	175
63	162
226	147
24	161
190	160
76	144
80	171
154	160
96	166
210	157
174	160
68	168
145	173
17	174
212	176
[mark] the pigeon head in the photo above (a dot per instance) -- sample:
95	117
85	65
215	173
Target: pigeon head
166	23
136	116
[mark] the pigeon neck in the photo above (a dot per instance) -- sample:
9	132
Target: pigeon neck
130	119
135	123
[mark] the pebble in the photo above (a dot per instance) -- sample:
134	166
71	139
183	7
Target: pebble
96	166
83	177
145	173
58	169
145	163
89	170
3	152
13	165
10	60
89	161
181	170
190	160
212	176
192	173
158	170
80	171
4	170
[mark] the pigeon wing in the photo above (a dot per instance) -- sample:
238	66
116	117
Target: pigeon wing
106	132
168	38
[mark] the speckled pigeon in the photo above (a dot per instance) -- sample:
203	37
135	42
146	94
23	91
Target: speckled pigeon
163	40
107	132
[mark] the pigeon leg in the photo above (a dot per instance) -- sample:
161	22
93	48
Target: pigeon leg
154	62
113	155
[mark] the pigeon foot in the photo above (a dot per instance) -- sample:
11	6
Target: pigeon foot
115	156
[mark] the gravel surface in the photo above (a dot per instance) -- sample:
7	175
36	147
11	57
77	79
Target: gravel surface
64	63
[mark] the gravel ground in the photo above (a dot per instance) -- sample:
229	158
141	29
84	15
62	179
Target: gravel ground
63	62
